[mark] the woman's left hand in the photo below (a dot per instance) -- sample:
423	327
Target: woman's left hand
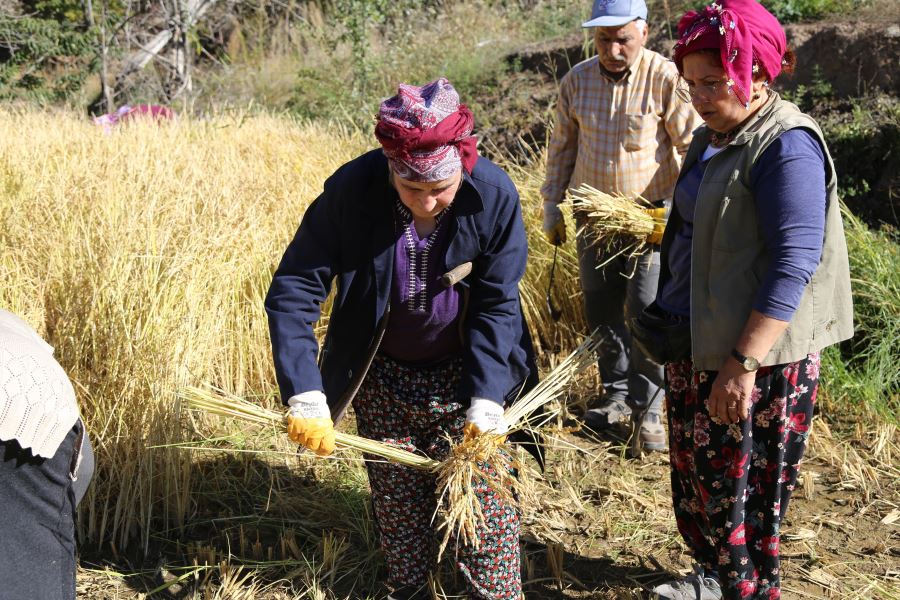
732	393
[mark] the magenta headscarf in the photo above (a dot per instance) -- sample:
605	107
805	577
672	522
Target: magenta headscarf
426	134
747	36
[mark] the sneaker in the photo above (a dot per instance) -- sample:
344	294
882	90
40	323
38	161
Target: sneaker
696	586
611	413
652	433
410	592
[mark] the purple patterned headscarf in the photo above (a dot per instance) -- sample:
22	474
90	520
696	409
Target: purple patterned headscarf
426	133
747	36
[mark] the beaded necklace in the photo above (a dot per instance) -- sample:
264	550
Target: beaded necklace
417	299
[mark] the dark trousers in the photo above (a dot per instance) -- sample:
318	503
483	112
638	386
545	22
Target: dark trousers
614	293
731	484
37	529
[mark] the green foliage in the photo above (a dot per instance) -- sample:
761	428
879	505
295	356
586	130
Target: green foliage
789	11
45	60
70	11
863	136
375	44
806	97
863	374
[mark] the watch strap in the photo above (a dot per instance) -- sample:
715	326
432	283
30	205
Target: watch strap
747	362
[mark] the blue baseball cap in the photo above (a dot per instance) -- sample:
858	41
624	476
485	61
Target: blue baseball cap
612	13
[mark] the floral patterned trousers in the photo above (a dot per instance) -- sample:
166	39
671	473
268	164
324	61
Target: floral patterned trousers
415	408
731	483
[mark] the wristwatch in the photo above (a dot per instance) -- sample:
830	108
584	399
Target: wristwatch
748	362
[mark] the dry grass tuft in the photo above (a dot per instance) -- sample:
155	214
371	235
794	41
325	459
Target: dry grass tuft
618	224
473	466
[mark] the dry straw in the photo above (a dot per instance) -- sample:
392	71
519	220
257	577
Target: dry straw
144	256
619	224
476	466
227	405
483	463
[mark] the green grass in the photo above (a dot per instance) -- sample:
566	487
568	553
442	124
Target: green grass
789	11
338	67
862	376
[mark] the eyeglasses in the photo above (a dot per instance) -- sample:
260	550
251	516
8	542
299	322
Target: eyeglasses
688	91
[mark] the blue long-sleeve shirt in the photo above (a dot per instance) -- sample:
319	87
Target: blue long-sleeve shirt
788	183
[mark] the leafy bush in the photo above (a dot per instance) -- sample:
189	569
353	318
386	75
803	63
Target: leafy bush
43	60
789	11
863	136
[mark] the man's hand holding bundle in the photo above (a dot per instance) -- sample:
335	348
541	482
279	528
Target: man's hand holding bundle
659	224
554	225
309	422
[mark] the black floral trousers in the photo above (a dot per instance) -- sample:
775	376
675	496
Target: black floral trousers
731	483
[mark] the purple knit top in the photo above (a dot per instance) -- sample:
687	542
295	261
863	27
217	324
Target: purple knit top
424	322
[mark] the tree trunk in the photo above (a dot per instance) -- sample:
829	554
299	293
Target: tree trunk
184	14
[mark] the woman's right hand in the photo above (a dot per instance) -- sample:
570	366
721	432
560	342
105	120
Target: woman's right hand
309	422
732	393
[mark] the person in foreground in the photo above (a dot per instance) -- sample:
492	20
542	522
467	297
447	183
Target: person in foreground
426	337
754	266
45	466
621	129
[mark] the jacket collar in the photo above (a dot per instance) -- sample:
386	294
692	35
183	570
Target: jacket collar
703	134
379	208
753	125
468	198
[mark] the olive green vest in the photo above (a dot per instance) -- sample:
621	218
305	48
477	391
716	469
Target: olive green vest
729	256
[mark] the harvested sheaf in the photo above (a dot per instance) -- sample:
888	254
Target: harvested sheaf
228	405
619	224
486	457
483	462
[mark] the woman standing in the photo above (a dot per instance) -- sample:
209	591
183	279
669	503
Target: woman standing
426	337
754	263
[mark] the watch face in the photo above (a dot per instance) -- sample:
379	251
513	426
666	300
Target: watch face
751	364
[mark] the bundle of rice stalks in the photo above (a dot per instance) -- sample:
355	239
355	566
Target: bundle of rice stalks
227	405
484	462
619	224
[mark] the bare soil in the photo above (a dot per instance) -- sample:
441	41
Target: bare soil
597	525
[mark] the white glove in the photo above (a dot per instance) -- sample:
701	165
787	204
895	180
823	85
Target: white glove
486	416
309	405
554	226
309	422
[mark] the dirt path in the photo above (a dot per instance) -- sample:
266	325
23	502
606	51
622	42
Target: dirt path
610	517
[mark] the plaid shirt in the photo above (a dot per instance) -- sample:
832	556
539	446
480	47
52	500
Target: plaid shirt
623	137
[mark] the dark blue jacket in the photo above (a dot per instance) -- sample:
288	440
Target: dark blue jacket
347	235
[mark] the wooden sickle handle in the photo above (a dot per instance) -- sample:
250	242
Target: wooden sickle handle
456	274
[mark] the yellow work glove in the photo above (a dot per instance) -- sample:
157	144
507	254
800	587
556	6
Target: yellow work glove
659	225
554	225
485	416
309	422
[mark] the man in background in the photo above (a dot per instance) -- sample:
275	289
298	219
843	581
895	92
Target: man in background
621	129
